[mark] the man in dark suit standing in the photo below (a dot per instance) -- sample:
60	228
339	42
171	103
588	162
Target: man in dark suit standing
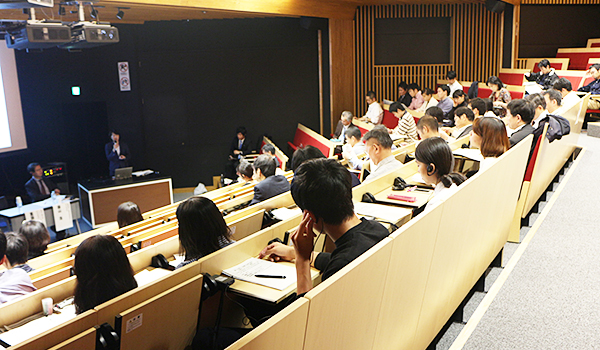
117	153
37	187
269	185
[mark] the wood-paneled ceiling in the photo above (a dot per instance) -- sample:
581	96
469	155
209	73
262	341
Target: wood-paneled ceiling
162	10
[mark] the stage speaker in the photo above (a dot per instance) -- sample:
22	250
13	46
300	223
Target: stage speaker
495	6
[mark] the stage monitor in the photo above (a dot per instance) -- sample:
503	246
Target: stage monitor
12	129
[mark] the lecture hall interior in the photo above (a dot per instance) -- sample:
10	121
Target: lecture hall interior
505	262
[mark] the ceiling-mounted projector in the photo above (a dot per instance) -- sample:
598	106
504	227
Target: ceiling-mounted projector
38	35
88	34
20	4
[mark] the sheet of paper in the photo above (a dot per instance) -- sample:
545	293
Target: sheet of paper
384	212
63	218
285	213
146	276
35	327
179	258
471	153
38	215
416	179
247	270
142	172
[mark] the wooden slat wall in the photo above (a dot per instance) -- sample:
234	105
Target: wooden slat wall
475	50
521	63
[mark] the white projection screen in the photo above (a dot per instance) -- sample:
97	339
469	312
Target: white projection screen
12	130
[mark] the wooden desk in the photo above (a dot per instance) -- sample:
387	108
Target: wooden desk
100	199
15	217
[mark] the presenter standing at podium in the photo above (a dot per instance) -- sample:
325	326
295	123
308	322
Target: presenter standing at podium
117	153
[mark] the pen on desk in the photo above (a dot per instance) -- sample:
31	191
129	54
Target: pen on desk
269	276
421	190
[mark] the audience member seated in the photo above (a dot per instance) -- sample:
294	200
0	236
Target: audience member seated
428	127
354	147
379	148
414	90
437	113
489	105
593	87
202	229
445	103
14	282
103	272
478	106
117	153
269	149
244	172
240	145
463	121
518	118
428	100
403	96
301	155
374	112
343	125
37	237
17	250
435	162
322	189
37	187
128	213
569	97
489	135
500	96
459	99
553	100
538	102
406	123
546	77
453	83
269	185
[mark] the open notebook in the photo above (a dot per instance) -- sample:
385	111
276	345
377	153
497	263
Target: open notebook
248	270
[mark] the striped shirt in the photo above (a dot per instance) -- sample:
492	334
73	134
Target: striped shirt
406	126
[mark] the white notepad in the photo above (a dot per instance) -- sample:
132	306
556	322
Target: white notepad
247	270
471	153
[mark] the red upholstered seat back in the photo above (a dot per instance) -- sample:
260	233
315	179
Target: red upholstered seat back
363	131
484	92
557	66
511	78
302	139
531	164
578	60
595	45
389	120
573	79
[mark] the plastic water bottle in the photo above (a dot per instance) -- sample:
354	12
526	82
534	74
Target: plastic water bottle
53	196
19	203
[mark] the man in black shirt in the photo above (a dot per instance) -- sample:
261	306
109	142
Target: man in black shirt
322	188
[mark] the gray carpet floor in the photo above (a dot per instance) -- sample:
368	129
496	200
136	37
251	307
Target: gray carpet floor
551	300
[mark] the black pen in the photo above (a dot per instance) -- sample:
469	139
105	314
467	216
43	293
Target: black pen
269	276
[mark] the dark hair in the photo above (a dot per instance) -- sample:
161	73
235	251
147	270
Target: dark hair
128	213
353	131
394	107
494	140
202	229
2	245
427	91
103	272
478	103
429	122
436	151
563	83
245	169
460	93
489	104
324	187
37	236
268	148
381	135
371	94
522	108
435	112
465	110
596	66
544	63
31	167
536	100
241	130
451	74
266	164
496	81
113	131
308	152
445	88
553	95
413	86
17	248
403	85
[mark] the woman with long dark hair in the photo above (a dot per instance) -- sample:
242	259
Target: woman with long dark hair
202	229
489	135
103	272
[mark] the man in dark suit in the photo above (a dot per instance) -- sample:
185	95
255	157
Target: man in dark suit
240	146
117	153
37	187
519	114
463	121
269	185
343	124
